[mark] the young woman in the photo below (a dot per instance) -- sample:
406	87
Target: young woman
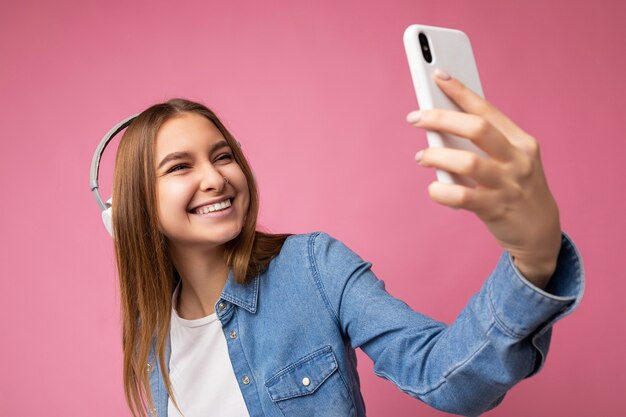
221	319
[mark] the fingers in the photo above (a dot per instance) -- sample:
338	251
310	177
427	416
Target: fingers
478	200
472	103
475	128
484	171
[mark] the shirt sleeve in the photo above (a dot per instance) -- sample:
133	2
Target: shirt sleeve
501	336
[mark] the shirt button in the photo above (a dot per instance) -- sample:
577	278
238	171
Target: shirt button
306	381
233	334
245	380
221	306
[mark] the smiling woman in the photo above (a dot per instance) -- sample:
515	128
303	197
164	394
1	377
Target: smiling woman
221	319
184	210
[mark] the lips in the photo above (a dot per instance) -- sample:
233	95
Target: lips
210	206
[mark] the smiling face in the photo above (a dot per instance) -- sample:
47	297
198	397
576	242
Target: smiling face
196	205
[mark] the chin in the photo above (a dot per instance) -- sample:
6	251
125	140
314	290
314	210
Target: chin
223	238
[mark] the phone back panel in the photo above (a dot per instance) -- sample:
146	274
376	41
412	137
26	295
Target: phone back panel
451	51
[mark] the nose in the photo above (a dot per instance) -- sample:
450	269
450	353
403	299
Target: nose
211	178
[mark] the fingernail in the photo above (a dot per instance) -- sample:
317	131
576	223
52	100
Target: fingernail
418	156
414	116
442	75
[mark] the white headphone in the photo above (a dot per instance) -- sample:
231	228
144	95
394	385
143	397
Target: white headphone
95	165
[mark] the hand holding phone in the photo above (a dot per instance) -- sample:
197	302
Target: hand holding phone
511	196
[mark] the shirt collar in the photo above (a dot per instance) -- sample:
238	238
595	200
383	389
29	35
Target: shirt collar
242	295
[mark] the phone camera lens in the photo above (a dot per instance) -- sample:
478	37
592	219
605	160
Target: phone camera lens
425	47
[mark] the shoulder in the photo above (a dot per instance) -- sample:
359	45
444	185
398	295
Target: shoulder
318	262
317	247
323	256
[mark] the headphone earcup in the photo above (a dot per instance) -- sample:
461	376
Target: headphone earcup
107	217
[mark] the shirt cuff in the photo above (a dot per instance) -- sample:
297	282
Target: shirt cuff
520	308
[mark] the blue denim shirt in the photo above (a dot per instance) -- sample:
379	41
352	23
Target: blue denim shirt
293	330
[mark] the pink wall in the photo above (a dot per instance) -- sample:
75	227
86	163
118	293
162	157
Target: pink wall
317	92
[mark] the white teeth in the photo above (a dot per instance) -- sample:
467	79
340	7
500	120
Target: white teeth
214	207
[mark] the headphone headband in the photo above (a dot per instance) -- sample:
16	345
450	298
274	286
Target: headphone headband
97	156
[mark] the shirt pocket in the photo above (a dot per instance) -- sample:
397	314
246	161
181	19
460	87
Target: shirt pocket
311	386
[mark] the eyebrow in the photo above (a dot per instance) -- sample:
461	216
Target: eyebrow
182	155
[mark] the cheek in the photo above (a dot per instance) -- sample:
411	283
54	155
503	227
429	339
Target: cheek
172	198
244	193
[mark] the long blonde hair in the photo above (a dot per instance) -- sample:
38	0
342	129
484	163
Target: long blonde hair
146	273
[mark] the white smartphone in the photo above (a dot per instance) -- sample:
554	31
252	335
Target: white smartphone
428	48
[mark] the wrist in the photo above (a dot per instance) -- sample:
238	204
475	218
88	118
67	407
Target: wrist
536	273
538	264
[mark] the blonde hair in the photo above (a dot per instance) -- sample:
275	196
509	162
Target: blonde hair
146	274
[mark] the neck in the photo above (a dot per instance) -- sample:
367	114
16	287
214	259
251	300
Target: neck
203	273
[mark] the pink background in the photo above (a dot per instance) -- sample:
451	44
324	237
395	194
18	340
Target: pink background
317	93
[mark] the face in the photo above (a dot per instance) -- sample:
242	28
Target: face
196	206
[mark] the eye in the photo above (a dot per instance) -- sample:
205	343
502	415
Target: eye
177	167
225	157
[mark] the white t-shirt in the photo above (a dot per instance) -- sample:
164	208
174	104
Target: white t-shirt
202	375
